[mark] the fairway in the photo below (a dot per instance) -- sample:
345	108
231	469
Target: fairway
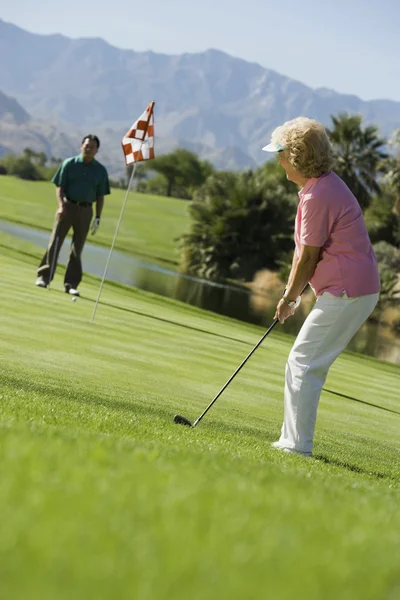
102	496
149	228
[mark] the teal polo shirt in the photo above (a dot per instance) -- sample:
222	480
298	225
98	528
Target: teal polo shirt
82	182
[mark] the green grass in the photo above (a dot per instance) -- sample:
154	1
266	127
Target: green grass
102	496
149	227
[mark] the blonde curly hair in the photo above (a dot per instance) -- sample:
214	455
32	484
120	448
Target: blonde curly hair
307	146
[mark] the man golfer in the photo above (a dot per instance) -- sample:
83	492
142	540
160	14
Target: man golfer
81	182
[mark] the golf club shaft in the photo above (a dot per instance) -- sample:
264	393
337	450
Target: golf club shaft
53	261
237	371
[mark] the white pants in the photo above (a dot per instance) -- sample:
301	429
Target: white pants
325	333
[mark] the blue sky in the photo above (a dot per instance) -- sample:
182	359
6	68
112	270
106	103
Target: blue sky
351	46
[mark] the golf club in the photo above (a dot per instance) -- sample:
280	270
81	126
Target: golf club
184	421
53	262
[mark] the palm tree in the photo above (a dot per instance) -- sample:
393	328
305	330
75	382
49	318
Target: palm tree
359	155
393	179
181	169
238	226
393	170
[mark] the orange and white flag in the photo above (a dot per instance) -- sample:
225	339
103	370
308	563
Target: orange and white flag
138	142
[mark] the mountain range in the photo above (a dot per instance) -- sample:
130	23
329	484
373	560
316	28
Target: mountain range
55	89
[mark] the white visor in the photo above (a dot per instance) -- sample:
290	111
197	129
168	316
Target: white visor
272	148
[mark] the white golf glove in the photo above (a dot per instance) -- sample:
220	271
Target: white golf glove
95	225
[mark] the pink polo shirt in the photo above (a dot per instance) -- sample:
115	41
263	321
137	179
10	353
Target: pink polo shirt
329	216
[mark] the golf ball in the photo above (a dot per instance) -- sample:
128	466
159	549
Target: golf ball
73	298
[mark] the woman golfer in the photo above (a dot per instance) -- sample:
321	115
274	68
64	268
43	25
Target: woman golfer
333	253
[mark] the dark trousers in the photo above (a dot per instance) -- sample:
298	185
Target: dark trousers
79	218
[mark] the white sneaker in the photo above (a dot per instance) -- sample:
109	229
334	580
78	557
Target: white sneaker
41	283
278	446
72	291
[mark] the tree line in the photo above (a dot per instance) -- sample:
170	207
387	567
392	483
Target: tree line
30	165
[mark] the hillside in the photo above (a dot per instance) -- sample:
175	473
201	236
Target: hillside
222	105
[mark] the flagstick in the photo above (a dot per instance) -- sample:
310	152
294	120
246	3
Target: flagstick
115	237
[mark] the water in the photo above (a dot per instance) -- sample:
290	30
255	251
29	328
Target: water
234	301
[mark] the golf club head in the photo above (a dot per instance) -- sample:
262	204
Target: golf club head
182	421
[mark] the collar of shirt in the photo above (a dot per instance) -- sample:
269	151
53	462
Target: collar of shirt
80	159
307	187
310	183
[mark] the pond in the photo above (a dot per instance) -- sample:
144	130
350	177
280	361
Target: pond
240	302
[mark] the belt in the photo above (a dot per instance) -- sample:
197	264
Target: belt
79	203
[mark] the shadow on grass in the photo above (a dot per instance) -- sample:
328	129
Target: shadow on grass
148	410
76	394
232	339
396	412
33	258
349	467
262	435
163	320
207	332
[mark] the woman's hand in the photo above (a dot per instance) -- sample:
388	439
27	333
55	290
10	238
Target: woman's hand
283	311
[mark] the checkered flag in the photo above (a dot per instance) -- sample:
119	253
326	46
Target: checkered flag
138	143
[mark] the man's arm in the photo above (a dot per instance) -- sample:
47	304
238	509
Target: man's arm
102	189
99	206
99	209
60	201
61	180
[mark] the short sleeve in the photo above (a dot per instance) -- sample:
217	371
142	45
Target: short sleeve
315	222
61	177
103	188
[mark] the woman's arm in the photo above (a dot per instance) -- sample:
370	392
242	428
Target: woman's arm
293	268
304	269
